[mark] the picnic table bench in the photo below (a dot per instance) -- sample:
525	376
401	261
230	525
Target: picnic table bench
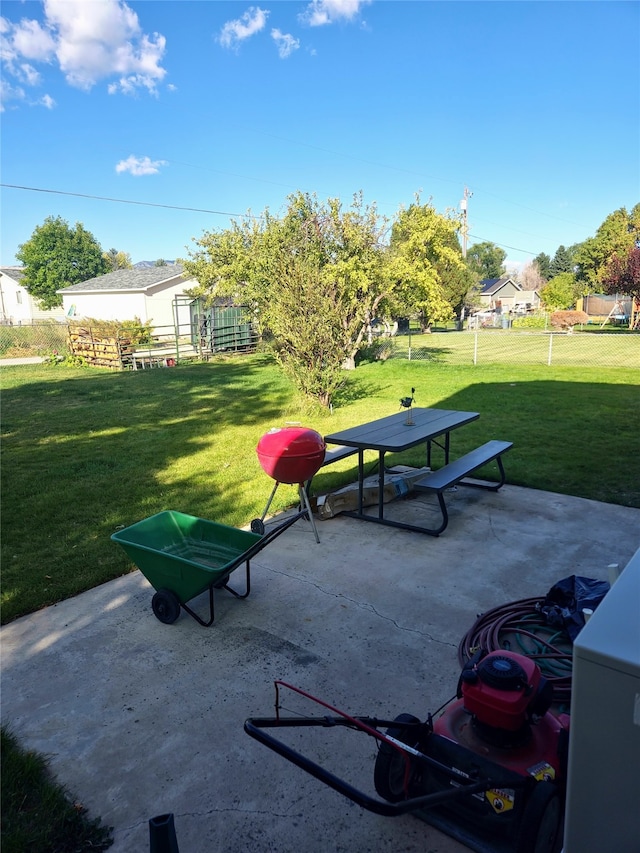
455	472
333	454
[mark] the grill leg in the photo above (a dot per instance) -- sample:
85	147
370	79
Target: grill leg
304	501
266	509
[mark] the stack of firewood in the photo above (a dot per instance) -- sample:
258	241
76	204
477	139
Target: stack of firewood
100	350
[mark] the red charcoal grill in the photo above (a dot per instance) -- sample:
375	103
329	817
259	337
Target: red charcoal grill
290	455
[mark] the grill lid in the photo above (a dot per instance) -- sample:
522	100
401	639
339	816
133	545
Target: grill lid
291	454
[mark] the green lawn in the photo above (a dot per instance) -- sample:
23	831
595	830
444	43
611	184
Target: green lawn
38	814
500	346
86	451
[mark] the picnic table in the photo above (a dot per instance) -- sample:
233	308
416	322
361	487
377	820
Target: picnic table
404	430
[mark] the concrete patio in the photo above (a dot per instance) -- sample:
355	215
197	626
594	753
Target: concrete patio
141	719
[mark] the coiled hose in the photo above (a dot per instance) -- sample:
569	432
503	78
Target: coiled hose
521	627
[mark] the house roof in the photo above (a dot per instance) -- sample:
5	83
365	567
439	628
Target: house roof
140	279
493	285
16	273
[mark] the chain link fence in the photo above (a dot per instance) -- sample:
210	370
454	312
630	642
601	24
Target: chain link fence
482	346
510	346
51	339
39	339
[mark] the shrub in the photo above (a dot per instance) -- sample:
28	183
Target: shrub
566	320
133	330
530	321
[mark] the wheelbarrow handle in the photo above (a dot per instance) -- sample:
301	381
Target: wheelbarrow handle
272	534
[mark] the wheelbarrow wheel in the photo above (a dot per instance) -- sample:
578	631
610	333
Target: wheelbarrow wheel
257	526
540	825
166	606
389	774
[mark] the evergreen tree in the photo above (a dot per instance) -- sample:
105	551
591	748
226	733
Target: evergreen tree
544	265
562	262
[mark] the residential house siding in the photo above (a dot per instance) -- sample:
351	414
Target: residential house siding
146	293
17	306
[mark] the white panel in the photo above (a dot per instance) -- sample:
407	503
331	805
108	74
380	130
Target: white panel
603	794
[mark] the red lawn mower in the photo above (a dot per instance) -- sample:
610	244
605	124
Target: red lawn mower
489	769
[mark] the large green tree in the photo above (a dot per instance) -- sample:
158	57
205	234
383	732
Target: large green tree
315	280
560	292
318	276
486	260
616	236
58	256
431	277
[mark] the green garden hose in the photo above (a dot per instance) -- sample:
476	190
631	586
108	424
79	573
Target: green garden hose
521	627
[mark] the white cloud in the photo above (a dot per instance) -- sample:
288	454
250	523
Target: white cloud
29	74
321	12
90	42
100	39
140	165
47	101
31	40
234	32
286	43
10	93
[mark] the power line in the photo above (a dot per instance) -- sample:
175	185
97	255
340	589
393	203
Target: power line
130	201
504	245
197	209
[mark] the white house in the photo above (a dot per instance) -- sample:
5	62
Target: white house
147	293
17	307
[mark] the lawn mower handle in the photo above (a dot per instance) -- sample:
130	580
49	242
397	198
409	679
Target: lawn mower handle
255	726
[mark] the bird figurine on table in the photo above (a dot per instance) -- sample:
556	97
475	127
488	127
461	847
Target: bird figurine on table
407	403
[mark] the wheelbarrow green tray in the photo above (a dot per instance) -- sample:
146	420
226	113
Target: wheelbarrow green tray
183	556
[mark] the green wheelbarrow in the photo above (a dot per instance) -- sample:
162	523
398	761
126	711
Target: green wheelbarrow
183	556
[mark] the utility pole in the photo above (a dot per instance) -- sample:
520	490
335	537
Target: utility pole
465	223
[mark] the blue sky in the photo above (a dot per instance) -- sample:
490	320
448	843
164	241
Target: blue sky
229	107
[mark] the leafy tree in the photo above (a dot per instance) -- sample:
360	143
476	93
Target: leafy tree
310	341
544	265
560	292
160	263
622	274
486	260
615	236
431	278
58	256
315	280
118	260
458	282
